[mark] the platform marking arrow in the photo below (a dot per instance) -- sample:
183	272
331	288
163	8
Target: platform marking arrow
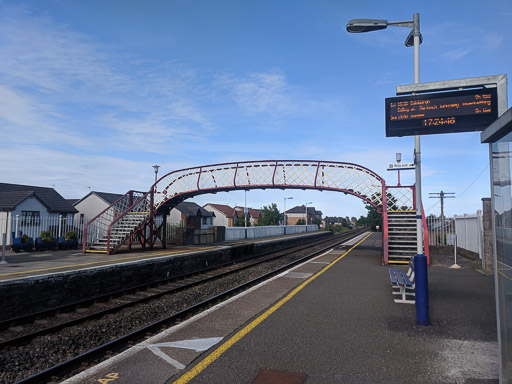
197	345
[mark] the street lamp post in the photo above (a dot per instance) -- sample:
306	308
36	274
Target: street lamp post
398	160
284	212
307	214
155	167
414	39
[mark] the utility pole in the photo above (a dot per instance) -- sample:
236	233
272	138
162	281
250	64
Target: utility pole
442	195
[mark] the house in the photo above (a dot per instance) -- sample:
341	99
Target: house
254	214
191	215
93	203
225	216
30	209
294	214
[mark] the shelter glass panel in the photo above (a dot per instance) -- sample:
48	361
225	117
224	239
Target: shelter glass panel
502	195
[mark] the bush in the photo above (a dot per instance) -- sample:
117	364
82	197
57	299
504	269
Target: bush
70	235
25	239
46	236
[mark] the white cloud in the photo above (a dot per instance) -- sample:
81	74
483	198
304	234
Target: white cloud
261	93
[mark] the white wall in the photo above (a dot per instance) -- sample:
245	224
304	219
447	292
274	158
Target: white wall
220	220
91	206
238	233
174	217
469	230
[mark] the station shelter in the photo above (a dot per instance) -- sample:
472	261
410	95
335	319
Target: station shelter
499	137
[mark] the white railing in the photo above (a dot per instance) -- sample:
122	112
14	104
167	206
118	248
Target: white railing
239	233
33	227
467	229
441	231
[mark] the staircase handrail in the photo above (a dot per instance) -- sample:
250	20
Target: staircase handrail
130	209
95	218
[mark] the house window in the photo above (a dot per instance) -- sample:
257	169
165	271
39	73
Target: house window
205	220
30	218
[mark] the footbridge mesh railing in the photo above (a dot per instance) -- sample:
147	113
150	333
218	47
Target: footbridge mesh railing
177	186
320	175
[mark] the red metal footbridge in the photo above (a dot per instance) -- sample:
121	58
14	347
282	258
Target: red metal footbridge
140	217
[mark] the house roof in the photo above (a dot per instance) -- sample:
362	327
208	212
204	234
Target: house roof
9	200
72	201
15	193
191	209
226	210
108	198
302	209
251	211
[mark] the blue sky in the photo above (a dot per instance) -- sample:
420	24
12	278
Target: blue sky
93	93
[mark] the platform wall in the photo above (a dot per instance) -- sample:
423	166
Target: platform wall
34	294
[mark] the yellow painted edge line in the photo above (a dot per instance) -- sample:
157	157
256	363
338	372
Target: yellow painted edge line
154	253
505	276
397	262
92	251
203	364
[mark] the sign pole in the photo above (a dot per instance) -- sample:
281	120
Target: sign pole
417	143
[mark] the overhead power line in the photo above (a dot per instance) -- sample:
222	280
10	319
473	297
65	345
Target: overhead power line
442	195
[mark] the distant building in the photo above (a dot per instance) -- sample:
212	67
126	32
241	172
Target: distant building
191	215
294	214
225	216
93	203
29	204
254	214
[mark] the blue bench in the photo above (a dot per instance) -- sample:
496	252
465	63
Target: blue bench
402	284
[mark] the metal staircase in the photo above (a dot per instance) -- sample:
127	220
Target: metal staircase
122	223
401	236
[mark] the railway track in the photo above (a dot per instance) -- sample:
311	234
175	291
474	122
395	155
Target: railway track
50	346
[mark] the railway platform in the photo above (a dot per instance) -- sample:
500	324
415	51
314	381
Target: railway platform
329	320
28	264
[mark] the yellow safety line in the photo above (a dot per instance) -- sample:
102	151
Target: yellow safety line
99	262
203	364
505	276
397	262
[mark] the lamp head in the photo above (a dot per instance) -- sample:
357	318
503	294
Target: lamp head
366	25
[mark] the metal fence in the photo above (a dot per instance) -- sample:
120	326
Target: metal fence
464	230
57	225
239	233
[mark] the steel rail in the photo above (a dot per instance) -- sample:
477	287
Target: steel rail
100	313
114	345
26	319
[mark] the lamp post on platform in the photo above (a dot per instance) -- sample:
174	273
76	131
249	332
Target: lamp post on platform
284	212
307	214
414	39
398	160
155	167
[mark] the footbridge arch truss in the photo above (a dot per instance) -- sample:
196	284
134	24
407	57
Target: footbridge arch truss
133	217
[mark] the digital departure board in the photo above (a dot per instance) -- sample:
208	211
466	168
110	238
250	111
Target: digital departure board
444	112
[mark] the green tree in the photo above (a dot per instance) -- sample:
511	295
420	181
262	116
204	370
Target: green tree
301	222
239	222
361	222
270	215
